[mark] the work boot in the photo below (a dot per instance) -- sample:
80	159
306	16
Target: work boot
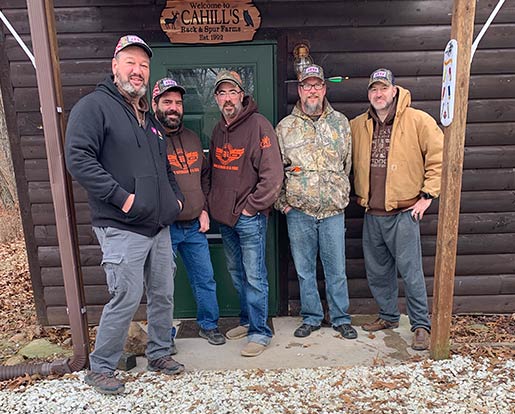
237	333
166	365
420	340
305	330
252	349
213	336
104	382
378	325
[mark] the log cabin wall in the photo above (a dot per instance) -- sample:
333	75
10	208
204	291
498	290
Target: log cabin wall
350	38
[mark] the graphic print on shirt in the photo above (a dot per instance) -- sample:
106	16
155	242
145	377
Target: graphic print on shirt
182	163
380	147
265	142
226	155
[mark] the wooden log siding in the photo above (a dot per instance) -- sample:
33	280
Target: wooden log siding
349	38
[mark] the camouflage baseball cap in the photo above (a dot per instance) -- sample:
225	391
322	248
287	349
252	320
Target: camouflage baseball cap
382	75
165	84
132	40
312	71
228	76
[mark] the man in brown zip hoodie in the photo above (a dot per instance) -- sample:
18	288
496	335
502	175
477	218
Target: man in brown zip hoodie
188	232
246	177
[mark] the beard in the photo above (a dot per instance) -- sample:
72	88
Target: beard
126	86
385	107
230	110
312	108
171	123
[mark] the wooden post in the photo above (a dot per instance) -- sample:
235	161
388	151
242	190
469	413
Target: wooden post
448	216
44	42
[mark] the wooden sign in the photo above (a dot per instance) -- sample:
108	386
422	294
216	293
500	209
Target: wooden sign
210	21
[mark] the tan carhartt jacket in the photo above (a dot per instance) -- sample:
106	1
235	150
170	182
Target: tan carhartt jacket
414	160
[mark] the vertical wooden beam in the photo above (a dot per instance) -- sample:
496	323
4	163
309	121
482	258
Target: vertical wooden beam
44	41
453	152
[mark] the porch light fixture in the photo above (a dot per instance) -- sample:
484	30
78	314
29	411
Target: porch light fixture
301	57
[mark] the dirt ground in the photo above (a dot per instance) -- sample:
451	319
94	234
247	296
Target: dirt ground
491	336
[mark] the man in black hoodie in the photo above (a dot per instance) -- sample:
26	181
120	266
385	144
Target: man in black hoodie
116	151
188	163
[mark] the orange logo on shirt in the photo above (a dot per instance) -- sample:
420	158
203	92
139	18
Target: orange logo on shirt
265	142
226	155
180	161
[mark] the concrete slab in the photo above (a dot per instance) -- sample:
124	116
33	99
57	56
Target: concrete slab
324	347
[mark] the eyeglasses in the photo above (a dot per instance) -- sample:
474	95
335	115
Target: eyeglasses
309	86
232	93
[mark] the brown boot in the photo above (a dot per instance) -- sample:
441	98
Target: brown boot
378	325
420	340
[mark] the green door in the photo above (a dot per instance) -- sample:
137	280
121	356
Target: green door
195	68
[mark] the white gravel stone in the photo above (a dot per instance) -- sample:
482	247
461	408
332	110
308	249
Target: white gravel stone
459	385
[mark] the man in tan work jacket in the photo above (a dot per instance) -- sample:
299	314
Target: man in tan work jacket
397	160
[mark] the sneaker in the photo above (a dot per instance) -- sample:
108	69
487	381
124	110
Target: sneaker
213	336
305	330
252	349
104	382
378	325
237	333
420	340
347	331
166	365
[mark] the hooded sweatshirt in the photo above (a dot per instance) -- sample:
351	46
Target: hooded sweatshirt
246	167
188	163
113	155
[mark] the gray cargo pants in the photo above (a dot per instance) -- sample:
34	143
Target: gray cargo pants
133	262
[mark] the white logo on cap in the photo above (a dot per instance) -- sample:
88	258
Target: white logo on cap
169	82
134	39
312	69
380	74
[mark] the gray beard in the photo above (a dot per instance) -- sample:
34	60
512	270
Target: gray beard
131	91
313	109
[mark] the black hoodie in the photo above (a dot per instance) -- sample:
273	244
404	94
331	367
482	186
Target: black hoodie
112	156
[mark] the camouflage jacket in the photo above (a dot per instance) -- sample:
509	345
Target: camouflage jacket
317	161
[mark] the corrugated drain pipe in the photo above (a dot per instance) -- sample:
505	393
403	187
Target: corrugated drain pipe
44	41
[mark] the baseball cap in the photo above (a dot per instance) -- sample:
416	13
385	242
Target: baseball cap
132	40
228	76
382	75
165	84
312	71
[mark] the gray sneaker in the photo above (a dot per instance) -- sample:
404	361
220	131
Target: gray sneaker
166	365
104	382
213	336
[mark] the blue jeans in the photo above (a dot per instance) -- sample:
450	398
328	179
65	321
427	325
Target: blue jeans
244	247
309	236
391	244
134	263
194	251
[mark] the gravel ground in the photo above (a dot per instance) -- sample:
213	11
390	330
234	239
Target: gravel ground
459	385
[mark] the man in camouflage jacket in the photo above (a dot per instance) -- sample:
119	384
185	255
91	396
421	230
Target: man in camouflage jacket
315	142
